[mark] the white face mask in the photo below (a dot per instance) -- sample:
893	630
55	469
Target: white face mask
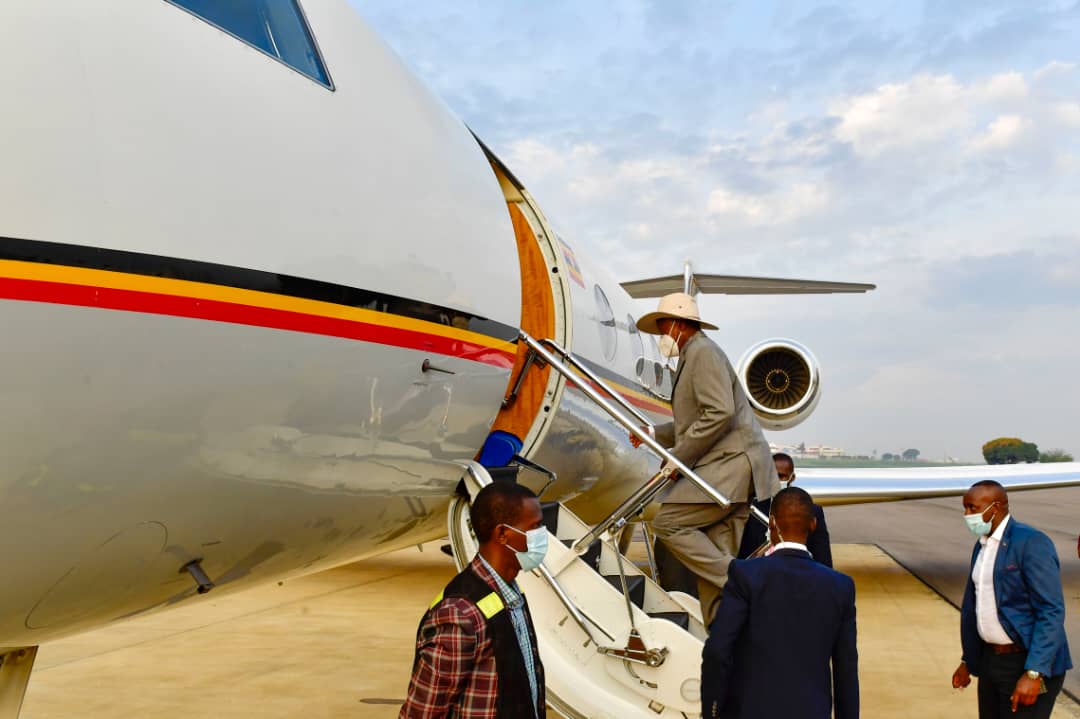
669	346
536	543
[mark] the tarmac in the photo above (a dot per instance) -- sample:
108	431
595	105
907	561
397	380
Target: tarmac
340	643
929	538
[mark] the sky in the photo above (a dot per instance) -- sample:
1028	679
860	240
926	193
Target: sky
931	148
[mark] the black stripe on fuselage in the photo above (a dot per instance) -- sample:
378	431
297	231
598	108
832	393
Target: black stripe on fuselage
138	263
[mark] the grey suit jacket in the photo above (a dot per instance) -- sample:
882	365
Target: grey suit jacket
714	431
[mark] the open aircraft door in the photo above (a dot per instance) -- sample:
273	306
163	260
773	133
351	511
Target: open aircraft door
534	391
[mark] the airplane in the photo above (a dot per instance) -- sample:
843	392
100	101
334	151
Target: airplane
265	299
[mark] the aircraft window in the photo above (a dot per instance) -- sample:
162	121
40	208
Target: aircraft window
637	345
276	27
606	318
643	377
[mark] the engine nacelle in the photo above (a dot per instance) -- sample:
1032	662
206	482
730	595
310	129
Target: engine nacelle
782	380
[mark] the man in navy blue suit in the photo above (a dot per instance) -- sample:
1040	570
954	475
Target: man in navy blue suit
1012	622
782	621
754	535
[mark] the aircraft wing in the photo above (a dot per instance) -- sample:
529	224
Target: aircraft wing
888	484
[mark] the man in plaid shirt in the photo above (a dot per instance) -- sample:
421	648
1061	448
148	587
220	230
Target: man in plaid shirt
476	650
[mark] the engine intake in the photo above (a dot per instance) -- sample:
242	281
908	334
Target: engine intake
782	381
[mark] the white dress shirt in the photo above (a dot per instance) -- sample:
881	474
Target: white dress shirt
787	545
982	574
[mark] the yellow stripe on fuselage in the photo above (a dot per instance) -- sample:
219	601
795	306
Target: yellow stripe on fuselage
200	290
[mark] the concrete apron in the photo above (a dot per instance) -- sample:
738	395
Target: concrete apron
340	644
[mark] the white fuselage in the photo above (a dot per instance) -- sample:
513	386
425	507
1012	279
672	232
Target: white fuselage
219	281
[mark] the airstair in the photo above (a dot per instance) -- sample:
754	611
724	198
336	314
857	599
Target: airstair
615	645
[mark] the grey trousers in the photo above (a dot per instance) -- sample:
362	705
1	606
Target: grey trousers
705	537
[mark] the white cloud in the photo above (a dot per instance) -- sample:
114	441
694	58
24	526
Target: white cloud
902	115
1055	67
1002	134
777	208
541	159
1067	113
726	202
1005	87
925	110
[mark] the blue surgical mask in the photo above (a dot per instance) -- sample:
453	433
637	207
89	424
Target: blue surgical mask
536	544
979	526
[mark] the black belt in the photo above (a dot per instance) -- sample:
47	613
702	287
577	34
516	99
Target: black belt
1006	648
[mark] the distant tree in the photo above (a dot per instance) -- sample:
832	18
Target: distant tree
1010	450
910	455
1055	455
886	457
802	447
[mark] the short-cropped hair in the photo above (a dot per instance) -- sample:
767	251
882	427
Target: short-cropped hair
793	500
498	503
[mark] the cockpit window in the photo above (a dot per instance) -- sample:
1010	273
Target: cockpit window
277	27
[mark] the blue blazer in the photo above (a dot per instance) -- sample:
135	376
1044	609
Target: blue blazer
782	620
1031	609
818	542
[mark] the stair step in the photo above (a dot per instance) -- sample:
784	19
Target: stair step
551	516
680	618
635	585
591	555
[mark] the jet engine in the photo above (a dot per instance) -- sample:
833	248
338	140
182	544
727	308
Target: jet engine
782	380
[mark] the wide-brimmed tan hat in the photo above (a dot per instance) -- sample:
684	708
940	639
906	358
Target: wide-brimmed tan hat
677	305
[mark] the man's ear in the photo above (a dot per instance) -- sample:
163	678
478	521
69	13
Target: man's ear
813	525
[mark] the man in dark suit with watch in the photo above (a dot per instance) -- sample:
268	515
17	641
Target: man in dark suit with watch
1012	623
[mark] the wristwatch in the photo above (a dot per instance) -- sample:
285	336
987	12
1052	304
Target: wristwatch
1032	674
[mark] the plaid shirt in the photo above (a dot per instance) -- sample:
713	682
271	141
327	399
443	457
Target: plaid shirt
511	595
455	675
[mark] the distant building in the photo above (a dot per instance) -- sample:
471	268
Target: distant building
822	450
804	451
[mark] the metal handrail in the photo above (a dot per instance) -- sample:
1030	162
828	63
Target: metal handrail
581	367
671	462
632	506
579	617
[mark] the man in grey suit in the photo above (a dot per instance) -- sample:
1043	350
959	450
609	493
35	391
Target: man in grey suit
715	433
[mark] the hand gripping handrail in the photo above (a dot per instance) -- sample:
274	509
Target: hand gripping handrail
641	498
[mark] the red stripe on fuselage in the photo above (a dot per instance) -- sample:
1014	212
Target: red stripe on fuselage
198	308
